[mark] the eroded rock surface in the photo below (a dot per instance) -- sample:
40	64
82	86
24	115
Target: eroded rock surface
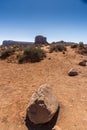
43	105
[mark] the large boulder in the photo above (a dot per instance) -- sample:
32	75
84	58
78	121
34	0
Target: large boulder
40	40
43	105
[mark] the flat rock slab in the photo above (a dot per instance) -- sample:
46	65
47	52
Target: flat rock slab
43	105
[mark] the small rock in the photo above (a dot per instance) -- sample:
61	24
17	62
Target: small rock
64	52
72	72
49	58
56	128
83	63
43	105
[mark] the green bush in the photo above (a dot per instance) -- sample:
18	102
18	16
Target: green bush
80	45
22	59
74	45
58	47
82	51
6	53
32	54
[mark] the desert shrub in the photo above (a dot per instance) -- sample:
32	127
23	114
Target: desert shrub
58	47
32	54
74	45
38	45
21	59
82	51
80	45
6	53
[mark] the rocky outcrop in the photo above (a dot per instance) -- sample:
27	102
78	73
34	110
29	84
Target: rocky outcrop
72	72
40	40
43	105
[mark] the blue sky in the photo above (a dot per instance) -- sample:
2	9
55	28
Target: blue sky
58	20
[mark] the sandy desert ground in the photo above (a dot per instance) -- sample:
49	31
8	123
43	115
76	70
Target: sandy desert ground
19	81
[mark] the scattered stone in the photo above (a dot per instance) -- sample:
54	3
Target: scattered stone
49	58
83	63
64	52
56	128
43	105
72	72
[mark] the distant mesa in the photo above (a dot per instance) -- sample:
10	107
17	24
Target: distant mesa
10	42
64	43
40	40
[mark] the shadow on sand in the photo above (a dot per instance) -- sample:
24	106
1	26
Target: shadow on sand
46	126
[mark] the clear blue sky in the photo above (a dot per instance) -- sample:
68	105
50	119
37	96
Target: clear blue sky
58	20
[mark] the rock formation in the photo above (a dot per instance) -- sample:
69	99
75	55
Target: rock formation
40	40
43	105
